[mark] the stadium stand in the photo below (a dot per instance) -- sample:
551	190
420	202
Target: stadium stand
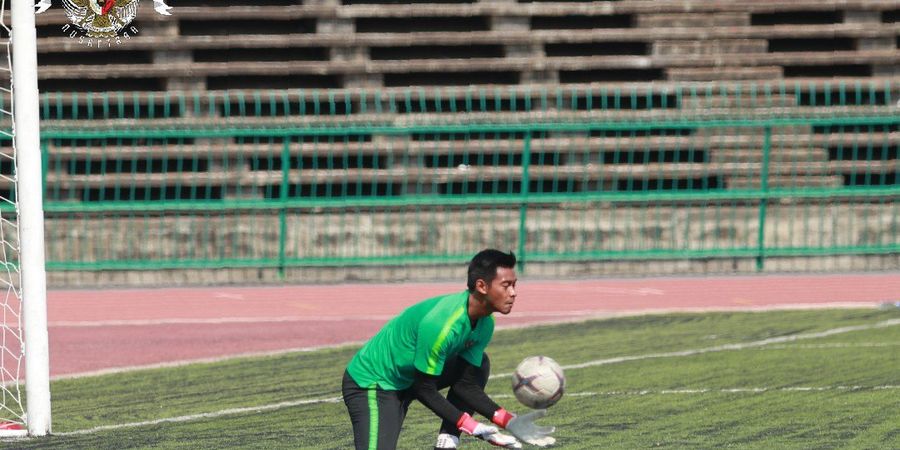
265	63
376	45
328	44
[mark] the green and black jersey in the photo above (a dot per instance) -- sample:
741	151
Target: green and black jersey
423	337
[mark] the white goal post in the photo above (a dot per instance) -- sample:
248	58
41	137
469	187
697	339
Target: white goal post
23	236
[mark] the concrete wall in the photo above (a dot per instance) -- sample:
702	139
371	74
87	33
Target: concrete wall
406	235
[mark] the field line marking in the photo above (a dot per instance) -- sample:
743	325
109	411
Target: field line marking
832	345
559	316
726	347
210	360
188	418
211	321
743	390
261	354
276	406
739	346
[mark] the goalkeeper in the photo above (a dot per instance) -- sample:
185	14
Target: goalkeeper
435	344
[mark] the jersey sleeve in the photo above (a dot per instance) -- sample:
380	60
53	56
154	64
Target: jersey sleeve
435	342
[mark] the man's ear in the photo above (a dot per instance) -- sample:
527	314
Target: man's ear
481	286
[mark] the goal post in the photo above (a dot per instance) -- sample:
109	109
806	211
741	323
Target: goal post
29	217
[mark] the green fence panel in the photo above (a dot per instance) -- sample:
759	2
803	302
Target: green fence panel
398	176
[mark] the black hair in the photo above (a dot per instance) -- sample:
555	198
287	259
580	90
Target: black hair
484	266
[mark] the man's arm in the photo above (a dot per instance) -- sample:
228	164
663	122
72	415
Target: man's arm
522	427
468	387
425	389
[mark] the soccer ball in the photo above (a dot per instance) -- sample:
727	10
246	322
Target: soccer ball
538	382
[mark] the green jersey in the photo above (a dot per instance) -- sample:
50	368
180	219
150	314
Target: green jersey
424	336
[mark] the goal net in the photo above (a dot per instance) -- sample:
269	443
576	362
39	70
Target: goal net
24	366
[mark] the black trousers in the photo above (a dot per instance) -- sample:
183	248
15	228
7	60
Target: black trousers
377	414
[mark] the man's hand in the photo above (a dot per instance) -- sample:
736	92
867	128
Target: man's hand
488	433
524	428
499	439
475	428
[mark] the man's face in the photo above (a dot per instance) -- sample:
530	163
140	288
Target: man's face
501	293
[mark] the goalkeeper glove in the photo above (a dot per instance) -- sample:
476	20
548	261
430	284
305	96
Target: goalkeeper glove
487	433
524	428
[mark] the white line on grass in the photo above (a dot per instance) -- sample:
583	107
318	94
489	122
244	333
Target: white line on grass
224	412
726	347
599	362
211	360
210	321
276	406
558	316
745	390
832	345
580	316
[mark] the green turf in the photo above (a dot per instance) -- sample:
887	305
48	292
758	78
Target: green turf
836	391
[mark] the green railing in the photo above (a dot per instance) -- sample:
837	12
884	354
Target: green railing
394	177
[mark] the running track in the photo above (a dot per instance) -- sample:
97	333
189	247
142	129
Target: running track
110	330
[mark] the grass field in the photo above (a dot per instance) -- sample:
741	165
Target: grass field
783	379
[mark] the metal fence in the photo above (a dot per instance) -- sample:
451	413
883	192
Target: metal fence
145	181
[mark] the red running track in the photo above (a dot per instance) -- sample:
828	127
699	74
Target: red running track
109	330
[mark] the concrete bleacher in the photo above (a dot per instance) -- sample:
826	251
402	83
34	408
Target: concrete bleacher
413	63
447	164
329	44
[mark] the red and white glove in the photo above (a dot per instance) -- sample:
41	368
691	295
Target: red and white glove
524	428
487	433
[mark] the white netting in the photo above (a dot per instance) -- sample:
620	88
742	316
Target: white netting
12	411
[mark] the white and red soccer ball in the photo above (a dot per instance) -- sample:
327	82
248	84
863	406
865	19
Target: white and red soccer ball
538	382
